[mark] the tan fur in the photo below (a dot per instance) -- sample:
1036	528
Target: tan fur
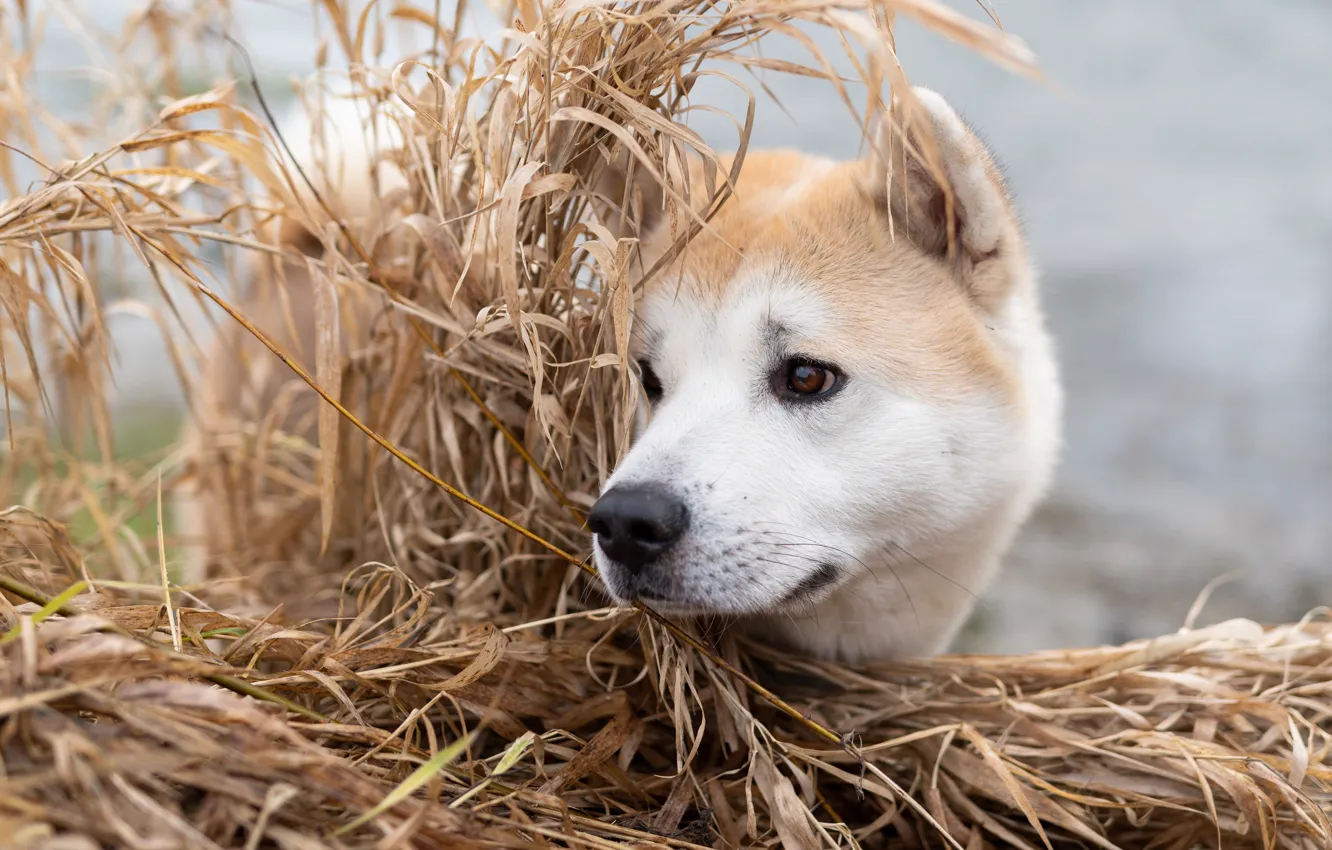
837	236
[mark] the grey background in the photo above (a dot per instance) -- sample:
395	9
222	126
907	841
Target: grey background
1176	182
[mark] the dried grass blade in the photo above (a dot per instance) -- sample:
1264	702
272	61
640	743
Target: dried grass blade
328	372
790	817
597	751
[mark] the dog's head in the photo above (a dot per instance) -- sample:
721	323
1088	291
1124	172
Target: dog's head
832	378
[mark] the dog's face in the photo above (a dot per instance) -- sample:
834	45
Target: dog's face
829	394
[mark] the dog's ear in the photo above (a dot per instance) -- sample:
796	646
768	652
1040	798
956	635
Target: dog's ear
352	194
290	234
353	164
941	189
630	201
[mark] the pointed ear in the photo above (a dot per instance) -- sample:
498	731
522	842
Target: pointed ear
940	187
349	160
630	201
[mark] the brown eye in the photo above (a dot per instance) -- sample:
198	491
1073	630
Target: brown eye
651	383
809	379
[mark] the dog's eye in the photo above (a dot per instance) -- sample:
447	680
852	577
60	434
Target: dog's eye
809	379
651	383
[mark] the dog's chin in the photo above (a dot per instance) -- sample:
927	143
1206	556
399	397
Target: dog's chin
685	609
628	592
676	609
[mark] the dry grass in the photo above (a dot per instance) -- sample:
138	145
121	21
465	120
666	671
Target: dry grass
472	693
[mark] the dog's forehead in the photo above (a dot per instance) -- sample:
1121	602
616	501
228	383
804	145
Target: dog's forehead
805	222
802	246
760	224
763	306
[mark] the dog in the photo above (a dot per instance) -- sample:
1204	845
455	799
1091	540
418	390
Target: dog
244	395
851	403
854	401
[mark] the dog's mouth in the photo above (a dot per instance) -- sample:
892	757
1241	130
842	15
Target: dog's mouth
814	585
628	590
672	607
649	597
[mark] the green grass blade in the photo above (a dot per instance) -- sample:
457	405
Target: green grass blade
409	786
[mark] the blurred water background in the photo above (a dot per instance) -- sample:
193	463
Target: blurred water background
1175	178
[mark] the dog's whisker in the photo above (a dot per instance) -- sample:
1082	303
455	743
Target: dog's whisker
809	541
906	592
941	575
805	541
807	558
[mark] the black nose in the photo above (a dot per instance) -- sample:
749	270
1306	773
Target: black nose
636	524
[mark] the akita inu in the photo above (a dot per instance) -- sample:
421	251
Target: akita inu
852	403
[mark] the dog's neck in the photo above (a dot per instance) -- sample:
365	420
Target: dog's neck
916	605
911	607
